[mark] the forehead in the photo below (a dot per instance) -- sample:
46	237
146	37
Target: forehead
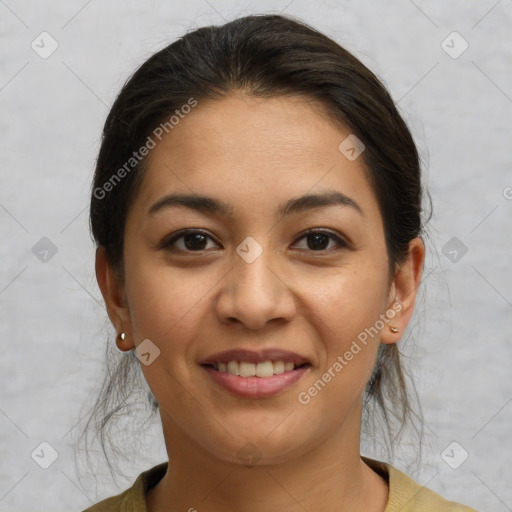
254	152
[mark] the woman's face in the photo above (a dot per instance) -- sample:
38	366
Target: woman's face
249	177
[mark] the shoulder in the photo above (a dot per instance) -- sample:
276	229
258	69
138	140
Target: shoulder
406	495
134	498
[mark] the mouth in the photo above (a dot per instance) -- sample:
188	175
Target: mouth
261	370
256	374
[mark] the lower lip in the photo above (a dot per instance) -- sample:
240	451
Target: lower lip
256	387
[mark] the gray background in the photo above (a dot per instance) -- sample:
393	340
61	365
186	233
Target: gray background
53	325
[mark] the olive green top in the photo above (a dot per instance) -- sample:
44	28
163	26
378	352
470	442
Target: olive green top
405	495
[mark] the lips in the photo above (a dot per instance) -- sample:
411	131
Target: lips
256	374
255	356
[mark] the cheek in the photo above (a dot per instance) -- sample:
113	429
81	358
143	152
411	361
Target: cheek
346	311
168	307
349	301
165	304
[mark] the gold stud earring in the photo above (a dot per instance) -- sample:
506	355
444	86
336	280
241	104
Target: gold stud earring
394	329
120	338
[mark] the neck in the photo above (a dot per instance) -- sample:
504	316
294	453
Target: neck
330	478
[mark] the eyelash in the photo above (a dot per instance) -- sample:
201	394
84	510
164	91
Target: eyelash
167	243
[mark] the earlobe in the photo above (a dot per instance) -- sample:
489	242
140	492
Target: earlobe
112	291
405	288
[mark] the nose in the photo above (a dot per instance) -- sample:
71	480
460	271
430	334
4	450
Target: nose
254	294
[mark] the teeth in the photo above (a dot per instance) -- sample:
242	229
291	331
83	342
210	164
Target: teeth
246	369
264	369
233	367
278	367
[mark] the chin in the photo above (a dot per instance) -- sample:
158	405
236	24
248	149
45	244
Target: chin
257	447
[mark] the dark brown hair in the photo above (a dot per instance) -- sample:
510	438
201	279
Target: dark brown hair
264	56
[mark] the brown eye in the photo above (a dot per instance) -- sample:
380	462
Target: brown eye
317	241
320	240
188	241
195	241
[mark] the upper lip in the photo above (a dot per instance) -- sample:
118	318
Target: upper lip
256	356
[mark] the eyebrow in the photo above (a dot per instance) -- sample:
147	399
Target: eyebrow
210	205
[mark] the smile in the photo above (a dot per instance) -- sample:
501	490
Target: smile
256	374
261	370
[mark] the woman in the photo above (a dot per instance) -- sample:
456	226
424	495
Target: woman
257	210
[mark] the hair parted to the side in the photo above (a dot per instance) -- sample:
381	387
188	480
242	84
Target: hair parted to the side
264	56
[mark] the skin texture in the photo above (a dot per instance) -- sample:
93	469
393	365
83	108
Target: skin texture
256	154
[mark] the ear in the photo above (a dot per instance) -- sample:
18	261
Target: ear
404	288
113	295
